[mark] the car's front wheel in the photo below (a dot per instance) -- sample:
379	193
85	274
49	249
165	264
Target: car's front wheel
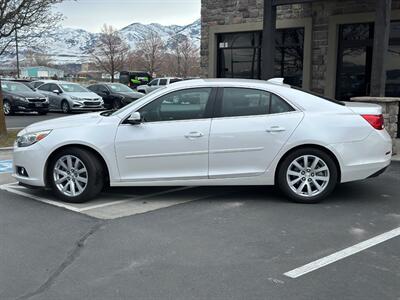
117	104
7	108
75	175
65	107
307	175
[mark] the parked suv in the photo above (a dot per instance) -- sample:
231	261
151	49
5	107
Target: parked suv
115	95
20	98
156	84
67	97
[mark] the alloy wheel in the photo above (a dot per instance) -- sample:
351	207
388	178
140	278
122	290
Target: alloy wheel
308	175
6	108
65	107
70	175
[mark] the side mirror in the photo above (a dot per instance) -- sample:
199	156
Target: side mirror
57	92
135	118
105	92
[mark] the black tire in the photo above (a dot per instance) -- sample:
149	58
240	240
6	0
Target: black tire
117	104
283	183
65	107
95	178
9	110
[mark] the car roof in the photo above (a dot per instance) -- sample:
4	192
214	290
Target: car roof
54	81
232	82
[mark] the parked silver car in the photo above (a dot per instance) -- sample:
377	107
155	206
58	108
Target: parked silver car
67	97
156	84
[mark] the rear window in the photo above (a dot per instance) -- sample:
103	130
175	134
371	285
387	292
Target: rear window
175	80
319	95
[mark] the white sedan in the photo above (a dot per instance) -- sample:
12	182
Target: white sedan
209	132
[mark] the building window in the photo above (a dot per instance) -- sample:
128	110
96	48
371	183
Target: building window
393	62
289	55
239	55
353	76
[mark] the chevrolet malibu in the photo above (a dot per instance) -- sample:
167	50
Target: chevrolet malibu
209	132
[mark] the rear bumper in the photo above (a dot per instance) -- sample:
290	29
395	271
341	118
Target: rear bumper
366	158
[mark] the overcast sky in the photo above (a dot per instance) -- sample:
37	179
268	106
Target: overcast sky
92	14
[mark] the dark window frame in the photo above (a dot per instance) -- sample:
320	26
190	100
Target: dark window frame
208	112
352	44
219	103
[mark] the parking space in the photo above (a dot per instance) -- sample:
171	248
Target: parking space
227	243
119	202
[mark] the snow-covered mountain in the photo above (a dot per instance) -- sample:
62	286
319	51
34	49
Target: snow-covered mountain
73	45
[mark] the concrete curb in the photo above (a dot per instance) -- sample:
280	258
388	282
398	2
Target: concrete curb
6	149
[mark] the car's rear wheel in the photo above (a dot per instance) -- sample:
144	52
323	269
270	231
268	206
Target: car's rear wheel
307	175
7	108
65	107
75	175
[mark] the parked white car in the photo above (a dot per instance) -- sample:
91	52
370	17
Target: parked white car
209	132
67	96
156	84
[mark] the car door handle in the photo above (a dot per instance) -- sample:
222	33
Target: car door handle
194	135
274	129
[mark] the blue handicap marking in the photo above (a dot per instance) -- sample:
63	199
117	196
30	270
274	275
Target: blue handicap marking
6	166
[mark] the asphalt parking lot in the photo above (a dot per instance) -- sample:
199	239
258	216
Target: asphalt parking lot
21	120
202	243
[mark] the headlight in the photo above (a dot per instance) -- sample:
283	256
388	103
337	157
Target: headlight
20	98
29	139
76	98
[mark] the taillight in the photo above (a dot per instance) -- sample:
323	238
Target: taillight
376	121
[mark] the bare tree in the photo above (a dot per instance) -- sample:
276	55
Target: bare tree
190	57
110	51
150	51
30	18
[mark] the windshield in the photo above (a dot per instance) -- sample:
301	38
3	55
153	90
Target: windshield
119	88
73	88
143	99
14	87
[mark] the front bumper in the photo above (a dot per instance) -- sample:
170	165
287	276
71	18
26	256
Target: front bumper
30	106
77	106
32	160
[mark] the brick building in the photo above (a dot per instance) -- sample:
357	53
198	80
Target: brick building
324	46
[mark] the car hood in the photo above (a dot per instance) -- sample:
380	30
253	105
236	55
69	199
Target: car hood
87	95
65	122
31	94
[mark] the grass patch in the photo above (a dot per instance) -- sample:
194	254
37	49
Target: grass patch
11	136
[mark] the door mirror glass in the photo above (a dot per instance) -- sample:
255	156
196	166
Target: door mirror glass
105	92
135	118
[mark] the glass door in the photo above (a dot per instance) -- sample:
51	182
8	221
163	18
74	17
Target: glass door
353	76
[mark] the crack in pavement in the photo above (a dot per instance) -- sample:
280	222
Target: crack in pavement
71	257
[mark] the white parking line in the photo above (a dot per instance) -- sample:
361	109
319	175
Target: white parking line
134	198
322	262
10	189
